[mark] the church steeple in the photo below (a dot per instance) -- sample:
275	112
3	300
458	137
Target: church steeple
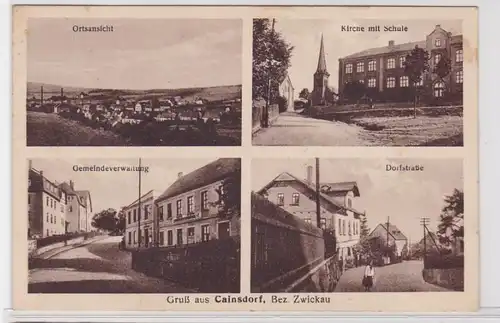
321	60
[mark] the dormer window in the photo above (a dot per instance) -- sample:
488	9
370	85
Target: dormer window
437	42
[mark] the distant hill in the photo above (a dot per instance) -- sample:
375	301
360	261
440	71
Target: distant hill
215	93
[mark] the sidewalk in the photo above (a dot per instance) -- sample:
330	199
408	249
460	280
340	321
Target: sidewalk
56	251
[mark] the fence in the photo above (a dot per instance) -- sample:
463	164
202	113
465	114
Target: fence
284	248
258	111
207	267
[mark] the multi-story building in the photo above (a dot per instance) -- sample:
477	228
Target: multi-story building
141	218
382	69
78	208
46	216
390	235
189	212
298	197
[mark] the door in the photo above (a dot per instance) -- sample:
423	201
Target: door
223	230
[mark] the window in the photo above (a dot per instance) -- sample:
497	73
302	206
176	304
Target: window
204	200
179	208
439	89
437	42
349	228
421	82
135	215
437	58
349	203
391	63
190	204
170	238
372	66
129	235
372	82
308	220
340	227
51	218
160	213
343	227
71	208
459	77
360	67
459	56
47	218
404	81
29	199
281	199
391	82
179	237
362	81
295	198
205	232
47	201
190	235
162	238
169	210
402	60
348	68
322	223
223	230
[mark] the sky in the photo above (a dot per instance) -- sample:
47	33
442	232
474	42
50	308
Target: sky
305	36
404	197
117	189
138	54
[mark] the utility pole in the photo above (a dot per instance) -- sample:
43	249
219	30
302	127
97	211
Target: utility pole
139	223
387	243
318	204
424	222
269	70
41	96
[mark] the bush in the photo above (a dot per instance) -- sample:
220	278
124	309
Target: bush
440	261
42	242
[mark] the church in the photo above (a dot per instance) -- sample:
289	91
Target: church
320	87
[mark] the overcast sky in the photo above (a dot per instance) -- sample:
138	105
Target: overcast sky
139	54
405	197
305	35
117	189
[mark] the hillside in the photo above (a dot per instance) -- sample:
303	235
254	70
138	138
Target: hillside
215	93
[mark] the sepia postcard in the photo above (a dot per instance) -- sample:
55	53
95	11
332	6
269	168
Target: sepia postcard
245	158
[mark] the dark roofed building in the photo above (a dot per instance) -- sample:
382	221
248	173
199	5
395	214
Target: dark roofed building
391	236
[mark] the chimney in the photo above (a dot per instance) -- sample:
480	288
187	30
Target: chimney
391	43
438	26
72	185
309	175
179	175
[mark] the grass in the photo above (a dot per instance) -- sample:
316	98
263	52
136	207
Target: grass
45	129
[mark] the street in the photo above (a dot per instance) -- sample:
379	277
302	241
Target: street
292	129
99	267
402	277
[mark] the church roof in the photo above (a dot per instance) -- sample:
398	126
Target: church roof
321	60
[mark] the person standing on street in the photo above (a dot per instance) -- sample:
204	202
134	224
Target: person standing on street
369	276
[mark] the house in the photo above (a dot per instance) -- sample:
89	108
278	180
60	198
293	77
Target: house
46	206
285	90
298	197
390	235
381	69
78	208
140	218
188	211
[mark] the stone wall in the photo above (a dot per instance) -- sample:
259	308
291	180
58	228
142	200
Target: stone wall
452	278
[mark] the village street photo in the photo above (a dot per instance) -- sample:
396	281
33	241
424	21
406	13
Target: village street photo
134	82
363	82
134	225
357	225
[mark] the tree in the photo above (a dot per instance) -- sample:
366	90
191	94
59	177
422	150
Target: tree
354	90
416	64
271	59
304	94
443	67
229	202
364	231
451	219
108	220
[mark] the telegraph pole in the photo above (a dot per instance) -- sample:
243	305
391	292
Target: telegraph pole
424	222
139	223
268	99
318	204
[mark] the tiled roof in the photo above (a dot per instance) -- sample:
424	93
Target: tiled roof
341	187
213	172
387	49
394	231
85	196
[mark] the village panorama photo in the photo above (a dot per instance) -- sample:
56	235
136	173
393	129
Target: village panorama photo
357	225
319	83
133	82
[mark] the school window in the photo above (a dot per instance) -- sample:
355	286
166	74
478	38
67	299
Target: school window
281	199
459	56
135	215
360	67
146	212
348	68
308	220
129	236
160	213
372	82
404	81
170	238
459	77
437	42
391	63
162	238
402	60
205	232
179	208
437	58
295	198
51	218
169	210
190	204
204	200
439	89
47	201
372	66
179	237
391	82
190	235
349	203
322	223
